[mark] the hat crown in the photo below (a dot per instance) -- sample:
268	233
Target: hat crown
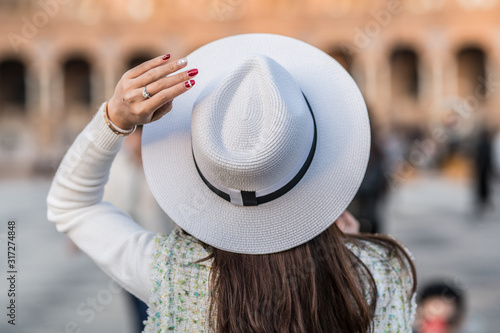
251	128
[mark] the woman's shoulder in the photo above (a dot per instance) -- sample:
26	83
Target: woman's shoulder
180	248
179	297
391	265
392	272
381	254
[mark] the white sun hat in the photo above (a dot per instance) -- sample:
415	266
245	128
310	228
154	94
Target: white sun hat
267	149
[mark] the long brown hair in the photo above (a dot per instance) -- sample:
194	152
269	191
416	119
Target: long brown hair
319	286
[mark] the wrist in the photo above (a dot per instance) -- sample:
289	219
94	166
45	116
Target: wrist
113	127
113	116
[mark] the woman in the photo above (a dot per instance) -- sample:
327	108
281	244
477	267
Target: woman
254	165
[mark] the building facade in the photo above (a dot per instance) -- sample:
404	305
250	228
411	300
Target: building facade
427	64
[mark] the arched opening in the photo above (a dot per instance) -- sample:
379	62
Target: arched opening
12	86
404	74
471	63
138	58
77	87
343	58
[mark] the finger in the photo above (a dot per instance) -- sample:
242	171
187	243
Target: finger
163	110
165	83
166	95
146	66
169	81
159	72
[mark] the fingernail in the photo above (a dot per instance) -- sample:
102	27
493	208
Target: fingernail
192	72
189	83
166	56
182	62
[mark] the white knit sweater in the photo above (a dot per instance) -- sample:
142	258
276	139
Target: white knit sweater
107	234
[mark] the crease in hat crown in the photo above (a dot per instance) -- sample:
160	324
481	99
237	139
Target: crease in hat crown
251	129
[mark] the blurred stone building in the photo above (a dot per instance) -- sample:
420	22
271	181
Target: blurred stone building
421	64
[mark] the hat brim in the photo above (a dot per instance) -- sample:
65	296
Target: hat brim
325	191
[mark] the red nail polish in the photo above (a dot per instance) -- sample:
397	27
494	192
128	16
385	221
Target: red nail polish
188	84
192	72
166	57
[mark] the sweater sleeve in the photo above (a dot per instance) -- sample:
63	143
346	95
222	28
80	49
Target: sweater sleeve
118	245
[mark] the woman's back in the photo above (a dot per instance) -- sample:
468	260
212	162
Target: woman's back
257	166
180	297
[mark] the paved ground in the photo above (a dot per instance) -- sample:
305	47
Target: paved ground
55	286
435	218
431	215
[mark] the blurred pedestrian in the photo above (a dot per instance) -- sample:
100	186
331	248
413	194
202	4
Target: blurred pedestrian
483	169
373	188
496	153
255	168
441	308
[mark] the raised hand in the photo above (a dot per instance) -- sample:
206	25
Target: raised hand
145	93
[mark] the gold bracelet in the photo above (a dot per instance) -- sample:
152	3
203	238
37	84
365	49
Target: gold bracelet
117	130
